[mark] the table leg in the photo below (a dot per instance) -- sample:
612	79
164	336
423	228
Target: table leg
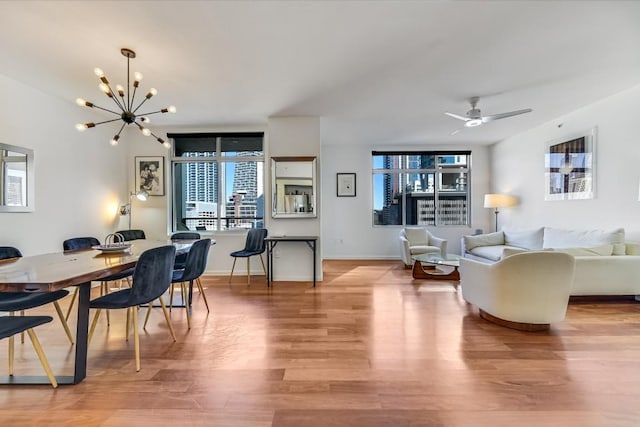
82	331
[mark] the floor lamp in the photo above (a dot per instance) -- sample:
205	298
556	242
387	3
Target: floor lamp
497	201
126	209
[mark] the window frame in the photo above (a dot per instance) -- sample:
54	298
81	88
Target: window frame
219	159
438	170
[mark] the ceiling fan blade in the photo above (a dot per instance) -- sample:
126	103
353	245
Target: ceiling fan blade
456	116
486	119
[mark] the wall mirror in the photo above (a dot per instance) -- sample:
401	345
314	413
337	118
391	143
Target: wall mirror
293	187
16	179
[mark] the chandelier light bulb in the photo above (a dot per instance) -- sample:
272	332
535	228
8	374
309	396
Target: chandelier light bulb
137	75
80	127
145	119
114	140
152	92
98	72
166	145
81	102
103	87
145	131
120	90
172	109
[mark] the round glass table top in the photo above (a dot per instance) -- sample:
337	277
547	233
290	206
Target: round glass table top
452	260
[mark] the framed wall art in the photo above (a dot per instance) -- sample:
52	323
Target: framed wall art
346	186
150	175
570	172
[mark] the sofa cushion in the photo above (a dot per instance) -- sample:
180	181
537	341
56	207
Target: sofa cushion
603	250
527	239
492	252
417	236
560	238
507	252
490	239
423	249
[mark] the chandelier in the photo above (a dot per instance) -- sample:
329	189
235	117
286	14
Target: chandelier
126	104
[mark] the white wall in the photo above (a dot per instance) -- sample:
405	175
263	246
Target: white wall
79	177
347	221
518	168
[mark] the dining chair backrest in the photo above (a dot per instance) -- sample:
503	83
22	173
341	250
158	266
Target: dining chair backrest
7	252
255	241
152	275
78	243
196	260
185	235
128	235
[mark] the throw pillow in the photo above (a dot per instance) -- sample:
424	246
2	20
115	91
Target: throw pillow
490	239
559	238
527	239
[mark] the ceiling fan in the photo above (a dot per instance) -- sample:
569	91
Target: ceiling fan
474	116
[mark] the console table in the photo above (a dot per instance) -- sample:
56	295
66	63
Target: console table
272	241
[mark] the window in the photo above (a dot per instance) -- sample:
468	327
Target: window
421	188
218	181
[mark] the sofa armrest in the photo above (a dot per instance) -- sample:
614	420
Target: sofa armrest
405	251
439	243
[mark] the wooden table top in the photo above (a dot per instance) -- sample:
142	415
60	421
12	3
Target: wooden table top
50	272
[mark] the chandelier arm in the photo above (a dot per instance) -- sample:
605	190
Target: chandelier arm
115	99
153	112
121	128
128	89
133	96
140	105
107	121
106	109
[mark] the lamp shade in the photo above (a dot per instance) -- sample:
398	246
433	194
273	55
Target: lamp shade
499	200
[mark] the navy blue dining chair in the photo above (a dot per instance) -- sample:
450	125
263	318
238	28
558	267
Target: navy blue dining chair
12	325
151	279
194	267
82	243
128	235
183	235
254	245
20	301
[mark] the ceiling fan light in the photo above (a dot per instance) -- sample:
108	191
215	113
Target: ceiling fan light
473	123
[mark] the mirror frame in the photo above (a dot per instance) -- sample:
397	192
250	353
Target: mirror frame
30	206
274	195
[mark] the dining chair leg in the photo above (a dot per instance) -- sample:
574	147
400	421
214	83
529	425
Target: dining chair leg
11	350
22	333
146	318
232	268
248	272
93	325
136	337
127	325
64	322
167	318
171	289
204	297
185	298
73	300
263	267
104	289
43	359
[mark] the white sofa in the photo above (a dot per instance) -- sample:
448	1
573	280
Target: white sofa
526	291
605	263
414	241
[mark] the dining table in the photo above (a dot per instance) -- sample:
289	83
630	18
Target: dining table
53	271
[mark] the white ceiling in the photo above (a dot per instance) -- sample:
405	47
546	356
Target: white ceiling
378	72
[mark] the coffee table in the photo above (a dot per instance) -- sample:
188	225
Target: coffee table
433	260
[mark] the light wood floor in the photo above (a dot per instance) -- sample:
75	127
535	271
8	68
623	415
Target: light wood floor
368	347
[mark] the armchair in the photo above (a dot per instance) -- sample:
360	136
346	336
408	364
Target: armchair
526	291
414	241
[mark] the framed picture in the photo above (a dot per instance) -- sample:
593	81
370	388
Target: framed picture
346	184
150	175
570	172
